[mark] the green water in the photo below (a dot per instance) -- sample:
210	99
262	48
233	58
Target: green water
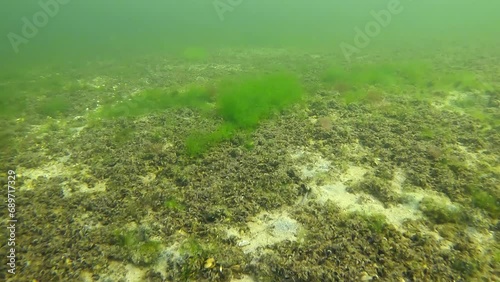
80	30
238	140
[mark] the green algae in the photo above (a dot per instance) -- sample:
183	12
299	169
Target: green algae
137	245
441	213
487	202
419	79
244	103
156	100
247	101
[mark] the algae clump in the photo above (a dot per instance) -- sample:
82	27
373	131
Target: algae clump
246	102
441	213
157	100
137	246
243	104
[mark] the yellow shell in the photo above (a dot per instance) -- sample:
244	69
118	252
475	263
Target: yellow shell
210	263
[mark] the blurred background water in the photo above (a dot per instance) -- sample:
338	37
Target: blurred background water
82	30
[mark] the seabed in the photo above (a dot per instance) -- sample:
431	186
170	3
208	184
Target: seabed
383	169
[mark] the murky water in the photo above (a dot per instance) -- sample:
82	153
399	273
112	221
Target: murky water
234	140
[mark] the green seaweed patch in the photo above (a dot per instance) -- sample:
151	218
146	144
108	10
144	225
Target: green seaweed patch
245	102
18	91
434	132
487	202
125	238
458	80
384	75
191	247
54	106
194	254
12	101
353	97
376	222
496	256
199	142
173	204
138	248
441	213
249	145
157	100
481	115
455	164
428	133
418	78
467	266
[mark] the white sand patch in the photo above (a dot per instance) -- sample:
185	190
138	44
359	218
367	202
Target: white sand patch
448	100
335	182
56	169
171	253
354	174
267	229
471	159
51	169
454	97
148	178
77	130
243	278
444	244
134	273
86	276
362	202
334	188
398	179
98	82
84	188
205	67
314	163
484	240
321	165
124	272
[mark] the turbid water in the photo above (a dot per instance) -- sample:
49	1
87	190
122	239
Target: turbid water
234	140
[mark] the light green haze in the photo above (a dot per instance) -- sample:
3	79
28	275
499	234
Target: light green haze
100	29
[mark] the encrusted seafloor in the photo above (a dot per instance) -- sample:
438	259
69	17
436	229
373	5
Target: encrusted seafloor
389	188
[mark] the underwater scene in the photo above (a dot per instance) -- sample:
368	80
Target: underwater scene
250	140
